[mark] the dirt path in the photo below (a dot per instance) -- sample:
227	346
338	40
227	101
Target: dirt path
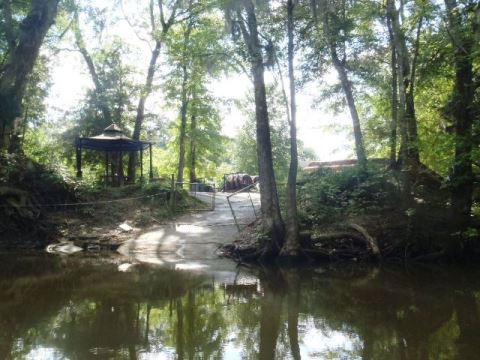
191	240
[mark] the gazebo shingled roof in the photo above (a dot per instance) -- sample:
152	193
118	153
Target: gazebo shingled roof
111	140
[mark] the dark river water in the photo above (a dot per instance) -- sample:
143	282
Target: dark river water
54	307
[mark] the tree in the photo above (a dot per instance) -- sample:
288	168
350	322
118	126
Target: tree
244	21
24	40
394	96
406	66
195	48
92	69
244	149
463	27
291	246
336	29
158	34
107	102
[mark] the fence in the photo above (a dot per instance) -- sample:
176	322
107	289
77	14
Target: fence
203	195
243	207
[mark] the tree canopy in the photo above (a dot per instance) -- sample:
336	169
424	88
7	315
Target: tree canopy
406	73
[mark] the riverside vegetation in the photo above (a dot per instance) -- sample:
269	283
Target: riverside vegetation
407	76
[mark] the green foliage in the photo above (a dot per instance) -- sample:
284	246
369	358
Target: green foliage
358	31
245	150
329	194
199	56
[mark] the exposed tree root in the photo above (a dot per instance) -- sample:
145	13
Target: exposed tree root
372	243
333	245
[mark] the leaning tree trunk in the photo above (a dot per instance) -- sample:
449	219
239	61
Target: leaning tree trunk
339	65
291	247
463	97
272	219
347	89
101	100
22	54
158	35
184	105
146	90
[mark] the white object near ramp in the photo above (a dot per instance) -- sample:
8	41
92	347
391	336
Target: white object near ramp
63	248
125	227
124	267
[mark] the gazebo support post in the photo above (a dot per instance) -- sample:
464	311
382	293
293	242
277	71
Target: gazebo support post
151	162
120	176
106	168
79	161
141	165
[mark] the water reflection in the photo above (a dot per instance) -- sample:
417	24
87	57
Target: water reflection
70	308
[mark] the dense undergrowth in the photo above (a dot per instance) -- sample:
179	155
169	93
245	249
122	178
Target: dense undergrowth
335	204
27	189
33	197
352	214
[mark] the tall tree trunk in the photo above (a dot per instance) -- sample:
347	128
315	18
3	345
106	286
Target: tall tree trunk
183	131
347	89
411	117
272	219
146	90
339	65
158	35
22	55
291	247
184	105
193	149
462	101
409	155
394	97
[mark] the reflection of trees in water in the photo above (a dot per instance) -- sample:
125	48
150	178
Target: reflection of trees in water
79	309
84	312
30	294
200	325
397	316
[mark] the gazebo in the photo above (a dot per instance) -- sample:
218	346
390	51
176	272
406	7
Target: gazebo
113	141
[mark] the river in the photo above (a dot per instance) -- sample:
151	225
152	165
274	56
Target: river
97	307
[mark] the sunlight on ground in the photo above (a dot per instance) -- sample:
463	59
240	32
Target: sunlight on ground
191	229
190	266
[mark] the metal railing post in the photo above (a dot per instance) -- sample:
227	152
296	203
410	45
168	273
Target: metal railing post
233	214
253	206
213	197
172	193
195	196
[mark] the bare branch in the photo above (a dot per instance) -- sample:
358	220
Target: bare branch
152	19
162	15
137	35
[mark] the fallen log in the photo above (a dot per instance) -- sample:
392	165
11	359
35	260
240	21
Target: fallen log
371	241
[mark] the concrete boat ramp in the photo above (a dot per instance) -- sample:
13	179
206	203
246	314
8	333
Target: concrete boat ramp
191	241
